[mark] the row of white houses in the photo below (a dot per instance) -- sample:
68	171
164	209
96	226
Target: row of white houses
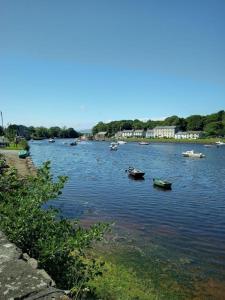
160	132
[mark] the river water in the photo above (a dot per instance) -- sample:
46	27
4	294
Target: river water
176	238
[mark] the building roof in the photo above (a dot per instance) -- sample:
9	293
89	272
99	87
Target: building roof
102	132
139	130
150	130
165	127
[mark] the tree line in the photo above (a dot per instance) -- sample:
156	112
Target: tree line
212	125
32	132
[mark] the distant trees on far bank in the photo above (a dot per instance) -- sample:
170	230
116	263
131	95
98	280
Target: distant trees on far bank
32	132
212	125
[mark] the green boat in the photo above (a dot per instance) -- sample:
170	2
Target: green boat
23	153
162	183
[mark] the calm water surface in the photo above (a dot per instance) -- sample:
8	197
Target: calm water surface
179	232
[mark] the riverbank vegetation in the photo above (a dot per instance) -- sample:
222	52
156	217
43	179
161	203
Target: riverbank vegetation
20	145
213	125
38	133
60	246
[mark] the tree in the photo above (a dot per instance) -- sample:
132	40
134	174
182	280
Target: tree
41	132
1	131
54	131
215	129
71	133
194	122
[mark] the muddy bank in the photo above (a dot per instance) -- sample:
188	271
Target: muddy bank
24	166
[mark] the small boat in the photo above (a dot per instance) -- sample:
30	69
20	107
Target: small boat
143	143
162	183
191	153
113	146
121	142
73	143
23	153
220	143
51	141
209	145
135	172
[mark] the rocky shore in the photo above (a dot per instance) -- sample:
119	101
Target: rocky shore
20	277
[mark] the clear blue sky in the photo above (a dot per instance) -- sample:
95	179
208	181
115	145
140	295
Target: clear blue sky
74	62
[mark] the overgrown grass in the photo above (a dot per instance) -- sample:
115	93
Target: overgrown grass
22	145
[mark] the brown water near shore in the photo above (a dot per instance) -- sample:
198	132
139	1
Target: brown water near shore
24	166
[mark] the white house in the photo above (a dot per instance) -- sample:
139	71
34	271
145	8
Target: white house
165	131
127	133
101	135
149	133
118	134
138	133
188	134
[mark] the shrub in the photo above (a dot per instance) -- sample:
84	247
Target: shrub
24	145
60	245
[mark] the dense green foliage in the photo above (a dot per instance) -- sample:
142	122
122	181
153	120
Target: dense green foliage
59	245
39	132
212	125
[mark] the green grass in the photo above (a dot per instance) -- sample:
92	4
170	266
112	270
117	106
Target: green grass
13	147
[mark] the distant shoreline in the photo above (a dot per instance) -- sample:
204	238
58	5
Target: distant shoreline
206	141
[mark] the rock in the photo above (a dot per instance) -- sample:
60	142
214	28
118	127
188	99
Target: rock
33	263
45	275
20	278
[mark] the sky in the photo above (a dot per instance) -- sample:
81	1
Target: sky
77	62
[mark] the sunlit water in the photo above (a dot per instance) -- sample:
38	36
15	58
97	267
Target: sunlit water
179	232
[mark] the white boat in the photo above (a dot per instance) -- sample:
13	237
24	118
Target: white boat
51	141
191	153
113	146
121	142
143	143
220	143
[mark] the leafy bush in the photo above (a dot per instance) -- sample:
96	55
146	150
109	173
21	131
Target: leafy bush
58	244
24	145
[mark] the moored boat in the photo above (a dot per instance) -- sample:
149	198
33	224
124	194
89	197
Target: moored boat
113	146
143	143
191	153
51	141
219	143
136	173
23	153
121	142
73	143
162	183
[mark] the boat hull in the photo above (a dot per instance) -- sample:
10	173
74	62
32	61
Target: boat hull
162	184
135	173
23	154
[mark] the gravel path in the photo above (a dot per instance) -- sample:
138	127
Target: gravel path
24	166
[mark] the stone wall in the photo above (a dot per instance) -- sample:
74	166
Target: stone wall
20	277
